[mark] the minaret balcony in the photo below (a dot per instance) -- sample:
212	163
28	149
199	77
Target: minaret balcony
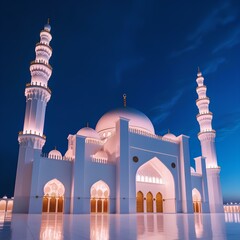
41	63
38	85
204	114
31	134
46	34
44	45
201	87
207	135
203	99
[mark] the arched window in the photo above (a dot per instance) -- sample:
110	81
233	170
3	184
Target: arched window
53	200
99	197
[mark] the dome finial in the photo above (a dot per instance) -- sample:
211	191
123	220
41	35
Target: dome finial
199	74
168	130
87	124
55	148
47	26
124	99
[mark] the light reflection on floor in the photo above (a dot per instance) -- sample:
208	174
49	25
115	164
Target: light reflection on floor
114	226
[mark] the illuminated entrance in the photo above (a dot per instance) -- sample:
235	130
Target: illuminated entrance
155	188
53	199
99	197
197	204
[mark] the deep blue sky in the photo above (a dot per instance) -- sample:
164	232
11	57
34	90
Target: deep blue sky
148	49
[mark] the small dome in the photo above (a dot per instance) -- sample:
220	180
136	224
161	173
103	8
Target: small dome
169	136
101	155
5	197
55	154
192	170
47	27
136	118
88	132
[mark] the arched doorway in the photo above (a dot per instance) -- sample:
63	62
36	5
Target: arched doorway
140	202
53	199
3	204
149	202
153	178
159	203
197	204
99	201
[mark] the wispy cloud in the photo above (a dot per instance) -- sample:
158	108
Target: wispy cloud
162	111
189	48
228	124
213	65
219	17
230	41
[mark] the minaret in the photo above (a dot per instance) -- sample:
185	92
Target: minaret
31	139
207	139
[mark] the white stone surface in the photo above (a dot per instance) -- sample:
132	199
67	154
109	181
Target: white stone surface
126	226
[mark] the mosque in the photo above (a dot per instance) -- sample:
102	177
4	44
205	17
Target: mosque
121	166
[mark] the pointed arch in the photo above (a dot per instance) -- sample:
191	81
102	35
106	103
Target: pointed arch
159	203
53	199
99	200
140	202
149	202
197	201
3	204
155	177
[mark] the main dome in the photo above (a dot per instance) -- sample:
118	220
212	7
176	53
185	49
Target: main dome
136	118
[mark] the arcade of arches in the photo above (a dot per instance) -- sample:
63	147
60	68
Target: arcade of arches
153	181
148	206
53	199
99	197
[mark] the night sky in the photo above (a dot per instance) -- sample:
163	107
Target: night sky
149	50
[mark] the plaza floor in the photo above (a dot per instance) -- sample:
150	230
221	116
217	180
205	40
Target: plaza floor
115	226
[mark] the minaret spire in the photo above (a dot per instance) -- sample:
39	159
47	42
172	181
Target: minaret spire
31	139
207	139
125	100
37	92
204	118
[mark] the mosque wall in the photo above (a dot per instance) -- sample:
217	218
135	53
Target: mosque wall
44	170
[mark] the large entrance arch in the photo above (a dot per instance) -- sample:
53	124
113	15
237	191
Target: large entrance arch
99	201
155	188
53	199
197	204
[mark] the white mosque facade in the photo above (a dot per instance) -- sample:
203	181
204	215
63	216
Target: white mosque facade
121	166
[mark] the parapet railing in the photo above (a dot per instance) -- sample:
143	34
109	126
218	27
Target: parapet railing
99	160
147	134
94	141
56	157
